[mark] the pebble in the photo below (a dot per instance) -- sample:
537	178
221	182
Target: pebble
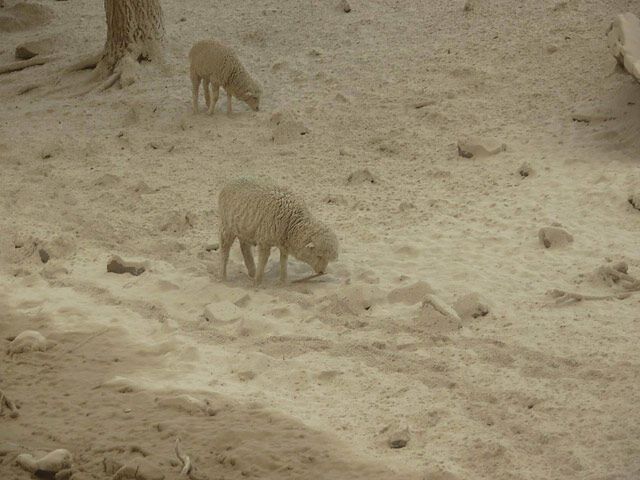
552	237
525	170
344	6
634	200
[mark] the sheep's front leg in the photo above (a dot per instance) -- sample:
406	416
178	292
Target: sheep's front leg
248	258
284	256
226	241
228	103
215	92
195	89
263	257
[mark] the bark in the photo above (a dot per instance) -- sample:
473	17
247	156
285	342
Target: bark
135	31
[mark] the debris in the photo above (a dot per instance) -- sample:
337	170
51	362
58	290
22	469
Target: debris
552	237
525	170
479	147
440	307
118	265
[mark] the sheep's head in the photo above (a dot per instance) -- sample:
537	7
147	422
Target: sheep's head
320	249
252	98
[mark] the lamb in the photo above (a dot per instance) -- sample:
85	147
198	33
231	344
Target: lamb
216	64
261	213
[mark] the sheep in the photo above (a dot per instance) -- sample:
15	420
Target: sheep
258	212
216	64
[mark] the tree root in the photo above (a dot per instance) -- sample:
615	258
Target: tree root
563	297
613	275
187	467
6	402
86	63
15	66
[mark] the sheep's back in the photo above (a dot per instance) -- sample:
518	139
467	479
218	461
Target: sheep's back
257	211
211	58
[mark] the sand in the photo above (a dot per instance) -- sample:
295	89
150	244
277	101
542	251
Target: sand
320	379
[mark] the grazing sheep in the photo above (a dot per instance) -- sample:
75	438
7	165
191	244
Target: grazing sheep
263	214
216	64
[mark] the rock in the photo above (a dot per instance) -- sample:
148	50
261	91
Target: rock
118	265
51	463
222	312
28	50
44	255
344	6
471	305
469	6
623	39
634	200
525	170
361	176
479	147
411	294
27	341
552	237
286	128
398	438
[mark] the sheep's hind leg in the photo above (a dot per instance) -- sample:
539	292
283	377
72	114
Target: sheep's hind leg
283	266
215	92
263	257
226	241
195	89
248	258
228	103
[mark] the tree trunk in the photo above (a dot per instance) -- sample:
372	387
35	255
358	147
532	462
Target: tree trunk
135	32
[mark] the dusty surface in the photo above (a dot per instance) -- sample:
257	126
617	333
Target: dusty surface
318	379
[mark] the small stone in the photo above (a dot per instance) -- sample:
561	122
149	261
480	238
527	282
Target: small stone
471	305
27	341
469	6
552	49
405	206
118	265
344	6
28	50
52	462
361	176
525	170
44	255
552	237
479	147
212	247
634	200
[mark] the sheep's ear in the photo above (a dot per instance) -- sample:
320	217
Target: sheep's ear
310	245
